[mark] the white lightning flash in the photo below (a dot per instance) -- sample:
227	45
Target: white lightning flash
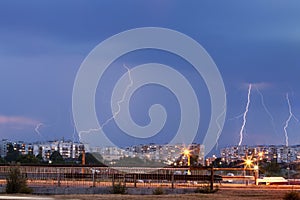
245	115
38	126
115	114
74	128
291	115
266	109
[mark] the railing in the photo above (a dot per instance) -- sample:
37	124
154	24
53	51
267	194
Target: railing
93	176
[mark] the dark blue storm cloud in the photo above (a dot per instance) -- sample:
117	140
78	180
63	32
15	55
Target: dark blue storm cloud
43	43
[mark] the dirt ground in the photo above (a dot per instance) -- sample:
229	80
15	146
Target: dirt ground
232	194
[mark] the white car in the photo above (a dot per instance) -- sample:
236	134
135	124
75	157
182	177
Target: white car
229	180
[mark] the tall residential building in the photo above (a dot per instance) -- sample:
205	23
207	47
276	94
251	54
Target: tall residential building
3	147
277	153
167	154
67	149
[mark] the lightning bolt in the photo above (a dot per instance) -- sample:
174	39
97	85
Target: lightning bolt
74	133
291	115
266	109
245	115
116	113
38	126
73	125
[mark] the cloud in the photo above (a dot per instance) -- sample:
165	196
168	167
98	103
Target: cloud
17	120
260	85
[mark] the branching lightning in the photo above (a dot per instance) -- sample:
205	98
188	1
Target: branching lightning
74	128
73	135
38	126
291	115
115	114
266	109
236	117
245	115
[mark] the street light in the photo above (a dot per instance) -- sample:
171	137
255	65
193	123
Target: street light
256	173
187	153
248	162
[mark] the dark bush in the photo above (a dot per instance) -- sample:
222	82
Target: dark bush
293	195
16	182
158	191
119	189
206	189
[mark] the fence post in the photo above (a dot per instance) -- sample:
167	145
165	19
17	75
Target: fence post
58	177
93	174
124	180
134	179
113	179
212	178
172	179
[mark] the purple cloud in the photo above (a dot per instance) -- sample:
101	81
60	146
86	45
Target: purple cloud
17	120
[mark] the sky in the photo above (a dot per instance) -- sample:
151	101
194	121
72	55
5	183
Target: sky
43	44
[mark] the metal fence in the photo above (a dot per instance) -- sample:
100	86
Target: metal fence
83	176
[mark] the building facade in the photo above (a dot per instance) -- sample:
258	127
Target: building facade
166	154
67	149
275	153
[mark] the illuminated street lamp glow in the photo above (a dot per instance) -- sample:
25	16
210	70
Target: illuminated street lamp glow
248	162
187	153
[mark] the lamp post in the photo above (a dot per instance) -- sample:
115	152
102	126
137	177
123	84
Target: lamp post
260	155
256	173
186	153
248	162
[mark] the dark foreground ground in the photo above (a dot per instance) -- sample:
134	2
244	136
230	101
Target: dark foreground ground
232	194
221	194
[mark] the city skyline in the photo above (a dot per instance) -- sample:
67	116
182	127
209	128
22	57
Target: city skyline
164	154
42	46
